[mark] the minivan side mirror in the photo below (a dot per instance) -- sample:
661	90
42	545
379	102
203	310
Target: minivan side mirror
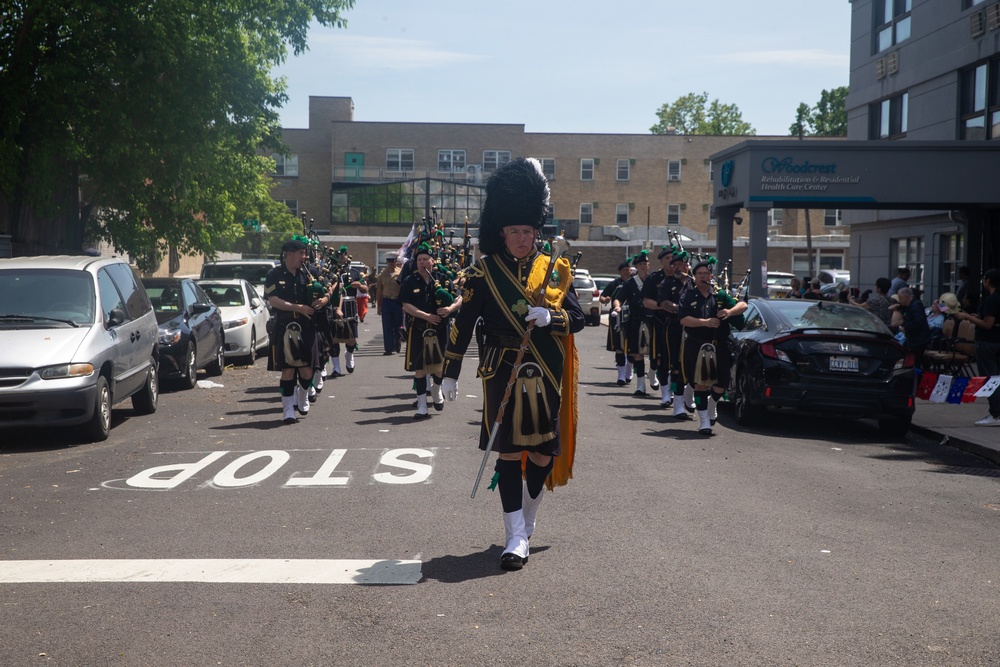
116	317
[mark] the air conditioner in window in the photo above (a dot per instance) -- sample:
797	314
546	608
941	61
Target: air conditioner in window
474	173
674	177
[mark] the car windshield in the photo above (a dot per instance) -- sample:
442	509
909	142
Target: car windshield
165	298
45	296
252	273
583	283
223	295
806	314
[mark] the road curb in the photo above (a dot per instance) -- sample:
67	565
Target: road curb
958	443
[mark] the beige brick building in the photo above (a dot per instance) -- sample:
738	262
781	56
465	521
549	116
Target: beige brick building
365	183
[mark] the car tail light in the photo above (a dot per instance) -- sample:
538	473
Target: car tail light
769	350
597	293
908	361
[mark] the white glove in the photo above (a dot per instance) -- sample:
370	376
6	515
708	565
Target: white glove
450	388
541	316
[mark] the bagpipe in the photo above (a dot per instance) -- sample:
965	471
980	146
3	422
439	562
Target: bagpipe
450	258
330	269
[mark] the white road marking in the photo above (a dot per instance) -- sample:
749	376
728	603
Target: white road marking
225	571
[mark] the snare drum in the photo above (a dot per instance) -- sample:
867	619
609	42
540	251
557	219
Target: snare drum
349	306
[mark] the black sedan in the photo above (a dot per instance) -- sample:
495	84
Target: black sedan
190	329
820	357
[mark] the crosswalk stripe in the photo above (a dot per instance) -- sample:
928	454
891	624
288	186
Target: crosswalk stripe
249	571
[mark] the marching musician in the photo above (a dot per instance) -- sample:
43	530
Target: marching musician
633	318
430	307
615	343
288	290
658	356
500	288
387	304
346	304
673	286
705	350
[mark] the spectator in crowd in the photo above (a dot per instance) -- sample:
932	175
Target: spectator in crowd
988	340
901	280
877	303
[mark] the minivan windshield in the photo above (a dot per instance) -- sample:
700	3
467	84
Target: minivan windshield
46	296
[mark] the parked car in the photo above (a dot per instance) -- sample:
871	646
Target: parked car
820	357
779	284
78	336
190	325
252	270
244	317
600	282
828	276
587	293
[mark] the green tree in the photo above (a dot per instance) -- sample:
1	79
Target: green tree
160	107
827	119
692	114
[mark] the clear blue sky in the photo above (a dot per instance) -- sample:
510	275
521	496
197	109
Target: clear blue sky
572	65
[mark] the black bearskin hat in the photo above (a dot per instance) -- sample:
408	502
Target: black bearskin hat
516	194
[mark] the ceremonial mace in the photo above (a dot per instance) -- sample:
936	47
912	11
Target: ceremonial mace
558	246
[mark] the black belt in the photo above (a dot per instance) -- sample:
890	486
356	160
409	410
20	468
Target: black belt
511	342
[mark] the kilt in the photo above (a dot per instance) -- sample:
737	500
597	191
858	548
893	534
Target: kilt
414	360
276	350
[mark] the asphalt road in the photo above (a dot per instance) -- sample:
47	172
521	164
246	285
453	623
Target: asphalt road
807	542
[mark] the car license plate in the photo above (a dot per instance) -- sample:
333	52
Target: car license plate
849	364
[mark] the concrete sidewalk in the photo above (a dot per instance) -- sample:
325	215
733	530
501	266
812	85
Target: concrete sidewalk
955	422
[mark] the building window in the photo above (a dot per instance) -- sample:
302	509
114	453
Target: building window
909	252
451	160
587	169
952	257
832	217
980	101
673	170
286	165
492	160
621	214
623	170
825	259
586	214
892	22
399	159
548	167
889	117
292	204
673	214
713	219
775	217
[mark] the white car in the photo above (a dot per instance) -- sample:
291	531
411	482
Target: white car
254	270
244	317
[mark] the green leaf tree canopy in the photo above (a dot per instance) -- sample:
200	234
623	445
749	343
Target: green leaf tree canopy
160	107
693	114
827	119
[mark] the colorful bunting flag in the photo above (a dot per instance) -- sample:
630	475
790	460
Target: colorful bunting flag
957	390
991	386
926	386
941	388
975	384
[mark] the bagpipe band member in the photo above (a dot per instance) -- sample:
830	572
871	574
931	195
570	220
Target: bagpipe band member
706	357
430	307
346	316
537	437
615	343
636	333
669	295
288	290
659	358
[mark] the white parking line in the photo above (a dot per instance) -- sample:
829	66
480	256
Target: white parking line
225	571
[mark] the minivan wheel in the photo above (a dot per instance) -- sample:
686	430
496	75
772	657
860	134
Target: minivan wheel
145	401
99	426
190	375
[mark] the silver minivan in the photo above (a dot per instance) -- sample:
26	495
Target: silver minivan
77	335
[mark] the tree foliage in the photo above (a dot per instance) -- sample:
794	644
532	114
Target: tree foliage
693	114
827	119
160	106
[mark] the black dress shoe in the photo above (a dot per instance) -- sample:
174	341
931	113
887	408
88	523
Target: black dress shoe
705	431
439	406
640	394
291	420
511	561
712	421
684	417
621	383
388	353
422	415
